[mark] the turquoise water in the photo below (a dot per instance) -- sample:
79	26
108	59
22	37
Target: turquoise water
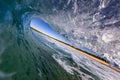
28	55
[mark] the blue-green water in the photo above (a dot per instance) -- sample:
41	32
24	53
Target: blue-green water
27	55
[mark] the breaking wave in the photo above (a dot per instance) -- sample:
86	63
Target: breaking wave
90	24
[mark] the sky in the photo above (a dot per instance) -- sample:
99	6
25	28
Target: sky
47	29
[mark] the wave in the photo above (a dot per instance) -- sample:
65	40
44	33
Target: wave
93	24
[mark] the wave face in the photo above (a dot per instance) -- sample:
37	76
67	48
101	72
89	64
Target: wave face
89	24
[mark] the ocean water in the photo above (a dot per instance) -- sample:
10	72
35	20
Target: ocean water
90	24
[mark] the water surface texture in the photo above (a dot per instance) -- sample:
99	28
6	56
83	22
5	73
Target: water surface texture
93	25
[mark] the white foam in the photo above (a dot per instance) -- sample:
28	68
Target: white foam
6	75
94	67
63	64
107	37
